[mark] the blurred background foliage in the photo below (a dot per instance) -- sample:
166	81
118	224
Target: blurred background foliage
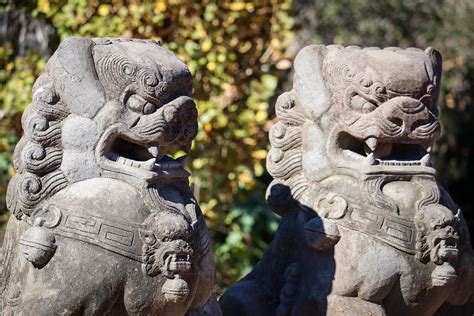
240	54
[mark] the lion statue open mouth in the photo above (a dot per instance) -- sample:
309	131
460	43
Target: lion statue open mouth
365	225
104	219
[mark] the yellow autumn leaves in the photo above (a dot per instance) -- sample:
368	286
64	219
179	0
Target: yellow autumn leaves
232	48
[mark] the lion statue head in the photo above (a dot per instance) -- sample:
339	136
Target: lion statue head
103	108
355	133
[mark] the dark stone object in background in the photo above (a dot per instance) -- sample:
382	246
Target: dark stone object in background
104	221
366	228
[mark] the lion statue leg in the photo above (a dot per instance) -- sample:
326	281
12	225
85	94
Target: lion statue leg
247	298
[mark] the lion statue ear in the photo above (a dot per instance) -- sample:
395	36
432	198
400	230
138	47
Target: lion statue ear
309	89
79	85
436	64
436	60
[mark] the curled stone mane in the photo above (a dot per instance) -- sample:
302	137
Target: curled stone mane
284	161
38	155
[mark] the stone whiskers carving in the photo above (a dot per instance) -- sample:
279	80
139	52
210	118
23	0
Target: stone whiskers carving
104	221
366	229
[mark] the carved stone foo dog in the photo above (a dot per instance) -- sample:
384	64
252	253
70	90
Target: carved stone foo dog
104	222
366	229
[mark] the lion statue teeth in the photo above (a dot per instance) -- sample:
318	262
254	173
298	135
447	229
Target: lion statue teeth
366	228
104	221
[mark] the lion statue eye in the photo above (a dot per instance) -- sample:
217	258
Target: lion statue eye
360	104
148	108
136	103
427	100
139	105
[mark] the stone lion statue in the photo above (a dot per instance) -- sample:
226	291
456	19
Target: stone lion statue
366	228
104	222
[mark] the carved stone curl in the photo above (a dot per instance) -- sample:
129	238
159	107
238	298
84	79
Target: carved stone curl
363	216
104	219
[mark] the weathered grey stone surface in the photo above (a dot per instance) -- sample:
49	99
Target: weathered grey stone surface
104	222
366	229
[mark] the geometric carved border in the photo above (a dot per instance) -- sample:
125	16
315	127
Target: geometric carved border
117	236
397	232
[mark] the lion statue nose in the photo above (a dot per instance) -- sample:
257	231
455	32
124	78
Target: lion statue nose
407	113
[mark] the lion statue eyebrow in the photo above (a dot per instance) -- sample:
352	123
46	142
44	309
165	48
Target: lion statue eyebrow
104	221
365	225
